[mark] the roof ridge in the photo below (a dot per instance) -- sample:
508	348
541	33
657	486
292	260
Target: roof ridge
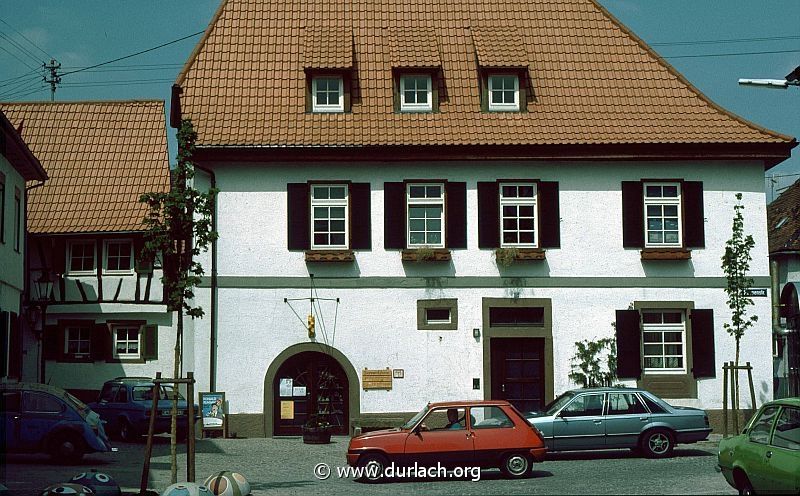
72	102
200	44
625	29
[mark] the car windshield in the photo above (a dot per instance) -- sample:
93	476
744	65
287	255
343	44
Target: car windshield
145	393
558	403
415	418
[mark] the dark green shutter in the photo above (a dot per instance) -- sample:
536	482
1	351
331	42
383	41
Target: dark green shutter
394	216
629	336
360	216
632	214
15	344
693	215
456	211
298	211
150	342
101	345
142	265
488	215
549	216
53	346
703	359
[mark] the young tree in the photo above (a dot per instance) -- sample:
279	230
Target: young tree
588	369
736	265
178	230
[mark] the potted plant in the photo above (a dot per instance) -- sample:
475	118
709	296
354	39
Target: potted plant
506	256
317	430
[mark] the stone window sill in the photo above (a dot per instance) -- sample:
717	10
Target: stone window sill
666	254
424	255
330	256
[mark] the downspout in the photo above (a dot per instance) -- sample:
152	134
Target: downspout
776	298
212	369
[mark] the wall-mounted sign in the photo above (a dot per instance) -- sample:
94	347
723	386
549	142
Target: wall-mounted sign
285	387
287	410
756	292
376	379
212	407
299	391
398	373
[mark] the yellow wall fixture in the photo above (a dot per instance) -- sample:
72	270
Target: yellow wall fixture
311	324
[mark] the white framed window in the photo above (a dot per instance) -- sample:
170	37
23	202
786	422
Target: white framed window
518	215
503	92
77	341
664	341
662	208
425	215
329	210
438	316
127	341
118	254
327	94
81	257
416	93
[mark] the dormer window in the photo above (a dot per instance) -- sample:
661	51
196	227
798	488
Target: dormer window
416	93
327	94
503	93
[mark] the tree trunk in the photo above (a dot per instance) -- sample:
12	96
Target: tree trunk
173	436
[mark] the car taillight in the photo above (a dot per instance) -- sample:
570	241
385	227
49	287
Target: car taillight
147	413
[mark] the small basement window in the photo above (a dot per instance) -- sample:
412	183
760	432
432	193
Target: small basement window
437	315
516	316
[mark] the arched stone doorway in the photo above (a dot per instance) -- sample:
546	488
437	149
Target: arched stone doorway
310	378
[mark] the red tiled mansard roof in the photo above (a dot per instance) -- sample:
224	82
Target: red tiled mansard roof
592	81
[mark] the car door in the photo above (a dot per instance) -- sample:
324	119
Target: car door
782	458
493	432
438	439
625	418
580	424
752	455
12	401
103	406
40	414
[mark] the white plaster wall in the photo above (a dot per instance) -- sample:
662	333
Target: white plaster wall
11	261
376	328
253	230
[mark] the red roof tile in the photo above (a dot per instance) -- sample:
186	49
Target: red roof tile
100	156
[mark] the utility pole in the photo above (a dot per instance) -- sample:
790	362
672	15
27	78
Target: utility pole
54	78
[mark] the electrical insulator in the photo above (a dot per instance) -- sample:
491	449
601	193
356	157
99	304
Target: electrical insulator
311	330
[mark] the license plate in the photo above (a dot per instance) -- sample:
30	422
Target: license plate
167	413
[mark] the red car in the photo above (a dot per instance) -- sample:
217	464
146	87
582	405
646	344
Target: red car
489	434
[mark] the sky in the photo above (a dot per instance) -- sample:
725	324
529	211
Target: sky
712	43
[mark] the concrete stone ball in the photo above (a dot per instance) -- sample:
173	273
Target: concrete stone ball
228	483
102	484
66	488
186	489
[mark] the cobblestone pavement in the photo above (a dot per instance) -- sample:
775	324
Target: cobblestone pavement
286	466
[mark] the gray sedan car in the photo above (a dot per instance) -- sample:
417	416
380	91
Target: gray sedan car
610	418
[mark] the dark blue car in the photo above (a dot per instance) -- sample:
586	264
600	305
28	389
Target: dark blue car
38	418
125	404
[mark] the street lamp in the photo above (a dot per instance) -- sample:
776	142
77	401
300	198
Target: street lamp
37	310
792	79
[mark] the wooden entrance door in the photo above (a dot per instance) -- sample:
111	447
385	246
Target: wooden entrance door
310	383
518	372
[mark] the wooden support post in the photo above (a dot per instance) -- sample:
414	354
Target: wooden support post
734	396
725	399
148	451
752	390
190	427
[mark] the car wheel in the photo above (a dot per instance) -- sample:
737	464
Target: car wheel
67	448
743	484
516	466
126	431
372	466
657	443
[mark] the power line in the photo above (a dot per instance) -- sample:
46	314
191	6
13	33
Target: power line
725	41
24	92
26	39
727	54
116	83
22	79
19	84
19	47
133	54
15	56
9	80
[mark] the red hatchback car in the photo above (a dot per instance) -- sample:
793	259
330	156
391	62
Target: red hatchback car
488	434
